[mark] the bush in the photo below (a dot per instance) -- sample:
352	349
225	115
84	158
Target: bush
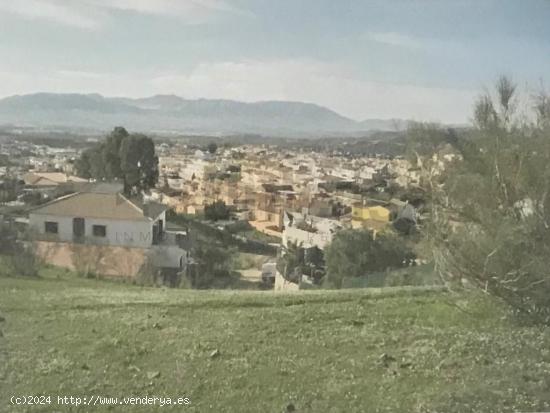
356	253
216	211
496	237
211	264
24	259
148	273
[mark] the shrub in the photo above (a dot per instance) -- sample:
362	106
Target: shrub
24	259
356	253
491	208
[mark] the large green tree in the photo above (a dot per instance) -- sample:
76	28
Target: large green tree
139	164
129	158
111	153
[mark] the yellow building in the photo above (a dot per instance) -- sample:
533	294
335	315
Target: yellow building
372	217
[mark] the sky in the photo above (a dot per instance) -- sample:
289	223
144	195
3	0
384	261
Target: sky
411	59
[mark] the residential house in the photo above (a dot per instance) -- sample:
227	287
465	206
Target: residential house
125	232
308	231
270	206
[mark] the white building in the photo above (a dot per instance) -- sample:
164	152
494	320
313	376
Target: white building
308	231
107	218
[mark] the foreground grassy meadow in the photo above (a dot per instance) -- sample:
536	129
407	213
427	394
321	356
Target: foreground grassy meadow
331	351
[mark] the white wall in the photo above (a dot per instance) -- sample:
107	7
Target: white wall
306	238
119	232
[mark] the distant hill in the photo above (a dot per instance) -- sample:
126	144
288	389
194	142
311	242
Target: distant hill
170	113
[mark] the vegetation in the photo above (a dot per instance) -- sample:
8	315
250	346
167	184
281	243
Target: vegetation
212	264
212	147
224	238
128	157
17	253
381	350
296	261
495	237
244	229
356	253
217	211
9	188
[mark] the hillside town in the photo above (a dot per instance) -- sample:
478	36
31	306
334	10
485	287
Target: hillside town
264	195
218	206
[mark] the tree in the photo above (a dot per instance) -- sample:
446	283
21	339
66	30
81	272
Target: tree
212	263
291	262
111	152
356	253
139	164
491	210
9	189
212	147
97	166
83	164
218	210
121	156
314	261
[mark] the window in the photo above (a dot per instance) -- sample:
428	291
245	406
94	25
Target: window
50	227
99	230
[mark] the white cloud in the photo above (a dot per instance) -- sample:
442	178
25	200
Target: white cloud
65	13
93	14
73	81
331	85
432	45
81	74
182	8
396	39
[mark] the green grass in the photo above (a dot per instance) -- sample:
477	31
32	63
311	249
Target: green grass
321	351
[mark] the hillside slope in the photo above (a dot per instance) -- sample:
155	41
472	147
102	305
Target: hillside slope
348	351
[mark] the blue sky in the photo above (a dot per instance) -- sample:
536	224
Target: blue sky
424	60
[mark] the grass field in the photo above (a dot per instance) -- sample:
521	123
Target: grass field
318	351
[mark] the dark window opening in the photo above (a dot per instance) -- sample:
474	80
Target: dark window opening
99	230
51	227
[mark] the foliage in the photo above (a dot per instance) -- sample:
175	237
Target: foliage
291	262
217	210
212	147
19	251
148	273
9	189
295	260
8	237
223	237
497	236
5	160
112	153
139	164
211	263
24	260
128	157
355	253
33	198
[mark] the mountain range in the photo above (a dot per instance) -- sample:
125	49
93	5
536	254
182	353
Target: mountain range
173	114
